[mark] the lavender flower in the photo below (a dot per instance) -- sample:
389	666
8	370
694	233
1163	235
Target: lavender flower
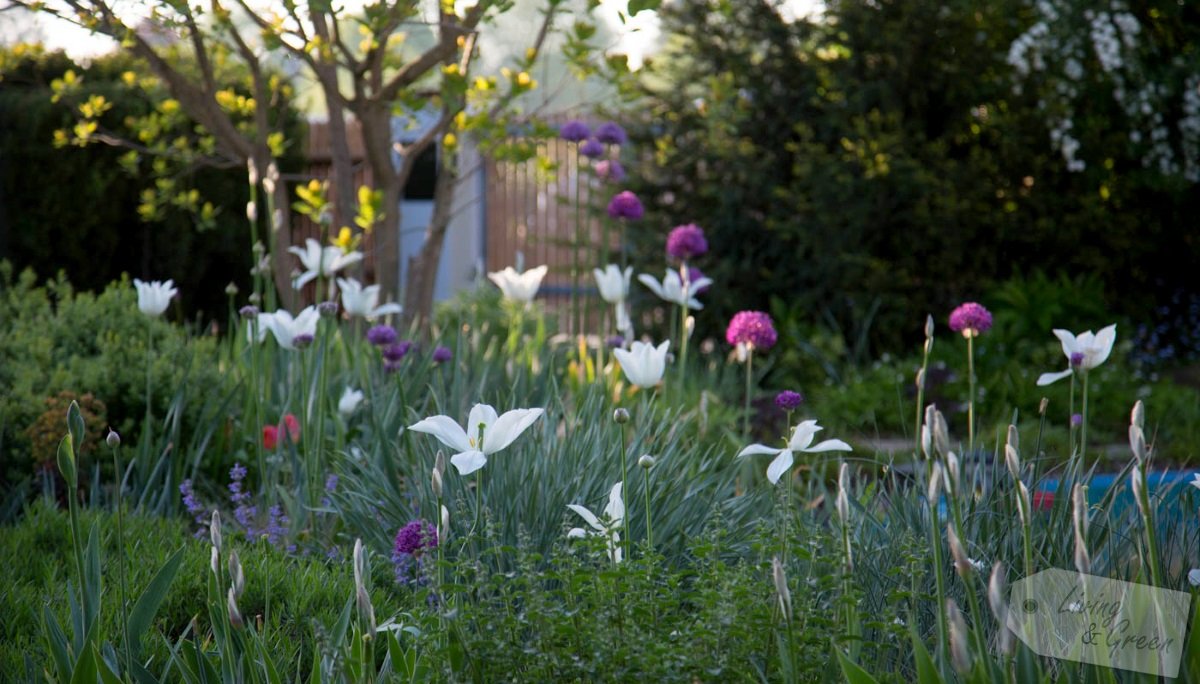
574	131
611	133
591	148
788	400
381	335
194	508
331	483
277	526
442	354
626	205
753	329
971	319
1076	419
328	309
686	242
610	170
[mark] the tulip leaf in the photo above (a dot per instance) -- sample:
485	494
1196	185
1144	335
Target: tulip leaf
151	599
852	672
57	642
926	672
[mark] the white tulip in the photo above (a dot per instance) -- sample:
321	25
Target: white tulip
643	363
153	297
671	288
614	519
286	329
1090	349
364	301
519	287
801	440
485	435
349	402
321	261
613	283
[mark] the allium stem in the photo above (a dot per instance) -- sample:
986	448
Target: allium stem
649	529
971	397
746	407
625	479
1083	427
1071	423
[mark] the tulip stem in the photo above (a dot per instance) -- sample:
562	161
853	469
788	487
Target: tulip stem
683	326
625	479
121	557
1070	417
1083	427
649	528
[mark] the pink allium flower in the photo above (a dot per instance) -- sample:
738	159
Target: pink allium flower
610	170
753	329
971	319
626	205
686	242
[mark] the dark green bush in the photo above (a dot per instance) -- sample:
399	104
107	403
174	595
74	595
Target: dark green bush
57	339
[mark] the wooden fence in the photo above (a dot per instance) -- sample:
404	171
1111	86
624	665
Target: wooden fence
551	216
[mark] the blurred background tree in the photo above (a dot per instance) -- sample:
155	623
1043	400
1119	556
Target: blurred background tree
893	160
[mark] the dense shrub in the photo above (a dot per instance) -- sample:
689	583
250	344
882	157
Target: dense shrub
59	340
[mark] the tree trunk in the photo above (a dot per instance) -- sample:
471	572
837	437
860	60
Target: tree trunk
280	228
423	267
377	143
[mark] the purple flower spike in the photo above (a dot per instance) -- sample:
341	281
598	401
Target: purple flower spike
610	170
382	335
591	148
611	133
788	400
626	205
442	354
574	131
971	319
753	329
686	242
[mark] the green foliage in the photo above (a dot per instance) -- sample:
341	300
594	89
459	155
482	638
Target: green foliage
880	165
291	595
171	208
59	340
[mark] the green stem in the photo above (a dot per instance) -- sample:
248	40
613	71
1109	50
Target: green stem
625	480
649	529
1083	441
256	372
971	398
319	432
578	244
920	402
1070	417
746	407
121	561
683	327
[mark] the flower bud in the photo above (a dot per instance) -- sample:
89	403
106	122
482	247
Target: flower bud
255	298
249	312
928	346
1014	438
936	477
962	562
1042	406
251	211
1138	415
920	378
236	575
231	289
214	530
252	171
113	439
781	588
1024	505
646	461
259	249
235	615
214	561
1000	608
928	326
445	531
328	309
960	651
621	416
843	502
1013	461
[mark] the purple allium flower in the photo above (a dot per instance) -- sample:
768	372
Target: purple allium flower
1076	360
248	312
686	241
971	319
442	354
611	133
626	205
788	400
610	170
381	335
574	131
415	537
1076	419
328	309
394	352
751	328
693	275
591	148
302	340
615	341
